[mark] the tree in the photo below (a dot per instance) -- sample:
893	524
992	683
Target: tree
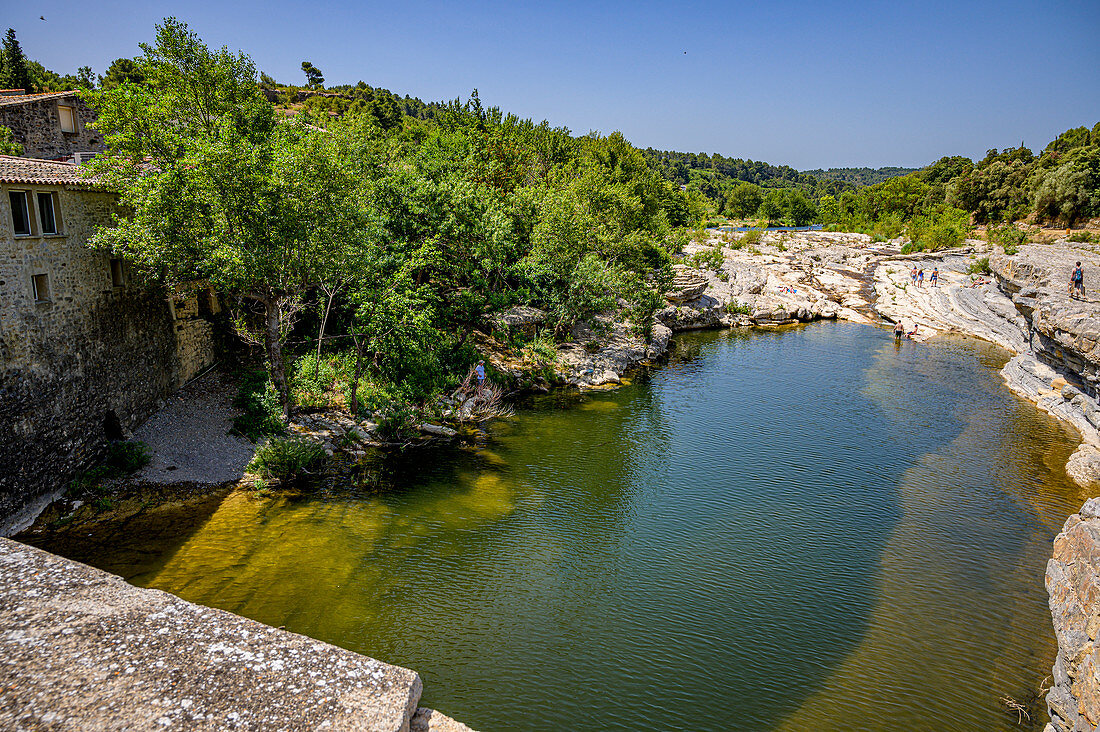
743	201
85	79
1071	191
8	145
267	81
314	79
122	71
216	190
16	74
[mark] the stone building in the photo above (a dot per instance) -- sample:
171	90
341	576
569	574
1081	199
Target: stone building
51	126
85	354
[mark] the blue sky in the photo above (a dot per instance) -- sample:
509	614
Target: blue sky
808	84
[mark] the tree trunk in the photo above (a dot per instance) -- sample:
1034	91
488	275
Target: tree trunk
321	335
355	378
274	347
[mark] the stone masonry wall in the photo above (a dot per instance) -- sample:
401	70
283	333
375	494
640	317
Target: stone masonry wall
37	127
1073	583
83	367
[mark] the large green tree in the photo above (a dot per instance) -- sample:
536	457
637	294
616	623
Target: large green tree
215	190
15	72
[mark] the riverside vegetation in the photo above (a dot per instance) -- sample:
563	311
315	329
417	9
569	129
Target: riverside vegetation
363	240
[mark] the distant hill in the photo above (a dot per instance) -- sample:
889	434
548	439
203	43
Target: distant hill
860	177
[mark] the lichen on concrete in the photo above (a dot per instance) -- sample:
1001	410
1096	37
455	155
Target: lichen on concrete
81	649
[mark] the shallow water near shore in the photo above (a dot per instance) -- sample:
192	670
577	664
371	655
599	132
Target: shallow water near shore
807	528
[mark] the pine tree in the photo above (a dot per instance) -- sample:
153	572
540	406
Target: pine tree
15	73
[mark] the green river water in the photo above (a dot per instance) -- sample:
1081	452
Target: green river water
804	529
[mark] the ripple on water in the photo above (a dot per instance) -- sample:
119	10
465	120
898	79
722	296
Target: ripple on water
801	529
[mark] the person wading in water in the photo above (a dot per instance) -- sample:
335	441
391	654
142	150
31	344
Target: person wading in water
899	331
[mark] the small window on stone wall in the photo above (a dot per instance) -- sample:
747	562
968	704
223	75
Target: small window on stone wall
41	283
118	273
20	212
47	212
68	119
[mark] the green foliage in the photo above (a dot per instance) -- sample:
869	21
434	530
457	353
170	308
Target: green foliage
14	73
286	458
122	71
1070	191
980	266
124	458
1082	236
1008	236
860	177
711	258
121	459
397	424
258	404
940	229
8	145
314	78
751	237
738	308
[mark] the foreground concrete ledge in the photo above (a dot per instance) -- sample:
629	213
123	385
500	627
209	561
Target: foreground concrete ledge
82	650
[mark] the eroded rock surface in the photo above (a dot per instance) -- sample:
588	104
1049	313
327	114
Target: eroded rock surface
1073	583
82	650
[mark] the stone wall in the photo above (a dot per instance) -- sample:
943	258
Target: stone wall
85	365
35	125
1073	582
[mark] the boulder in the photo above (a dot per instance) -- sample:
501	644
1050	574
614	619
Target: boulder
687	285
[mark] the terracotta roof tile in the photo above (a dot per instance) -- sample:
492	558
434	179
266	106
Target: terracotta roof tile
44	172
9	101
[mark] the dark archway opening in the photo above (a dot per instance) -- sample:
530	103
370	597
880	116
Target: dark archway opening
112	427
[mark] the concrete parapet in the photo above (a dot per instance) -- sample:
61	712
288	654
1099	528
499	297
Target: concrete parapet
80	649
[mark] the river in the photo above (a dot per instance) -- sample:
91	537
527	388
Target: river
807	528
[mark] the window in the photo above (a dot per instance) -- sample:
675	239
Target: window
20	212
68	119
47	213
118	274
41	284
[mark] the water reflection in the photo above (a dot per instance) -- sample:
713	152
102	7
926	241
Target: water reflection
809	528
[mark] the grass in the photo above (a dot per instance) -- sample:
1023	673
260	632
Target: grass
1083	237
286	458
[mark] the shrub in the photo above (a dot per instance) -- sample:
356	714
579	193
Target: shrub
940	229
397	423
752	237
980	266
127	457
738	307
1008	236
286	458
710	259
259	404
1081	236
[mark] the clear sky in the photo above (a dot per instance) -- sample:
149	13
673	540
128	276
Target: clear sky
808	84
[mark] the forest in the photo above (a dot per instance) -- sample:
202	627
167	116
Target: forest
363	238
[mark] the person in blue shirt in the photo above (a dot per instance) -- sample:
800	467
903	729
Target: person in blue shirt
480	369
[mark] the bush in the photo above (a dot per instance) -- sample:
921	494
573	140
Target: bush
752	237
738	308
1081	236
127	457
397	424
710	259
940	229
1008	236
980	266
286	458
317	383
259	404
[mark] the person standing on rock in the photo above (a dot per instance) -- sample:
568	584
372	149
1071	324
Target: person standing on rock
935	279
913	275
480	370
920	278
1077	282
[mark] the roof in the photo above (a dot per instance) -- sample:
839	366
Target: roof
9	101
44	172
